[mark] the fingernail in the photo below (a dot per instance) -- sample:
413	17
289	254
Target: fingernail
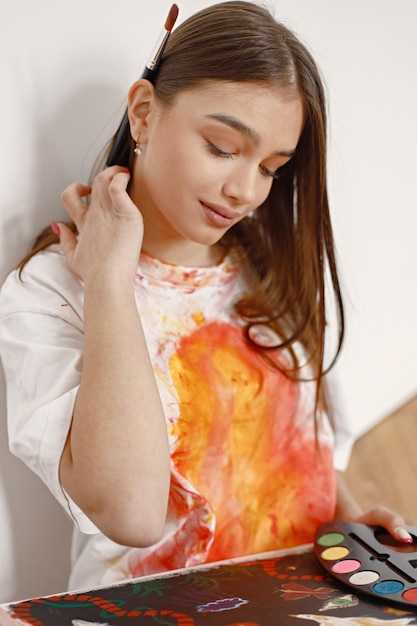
55	228
403	534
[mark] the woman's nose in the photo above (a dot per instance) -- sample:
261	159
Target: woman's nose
240	185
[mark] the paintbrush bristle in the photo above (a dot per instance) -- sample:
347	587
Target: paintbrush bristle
172	18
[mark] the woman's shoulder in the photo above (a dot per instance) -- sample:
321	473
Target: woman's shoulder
45	279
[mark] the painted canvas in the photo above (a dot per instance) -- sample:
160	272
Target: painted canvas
279	590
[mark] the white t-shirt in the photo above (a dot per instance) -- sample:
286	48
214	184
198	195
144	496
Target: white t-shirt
246	474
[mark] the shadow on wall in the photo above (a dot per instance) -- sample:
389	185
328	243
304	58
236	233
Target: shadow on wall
64	147
35	533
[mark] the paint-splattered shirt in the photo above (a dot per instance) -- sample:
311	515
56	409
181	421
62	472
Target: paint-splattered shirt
247	475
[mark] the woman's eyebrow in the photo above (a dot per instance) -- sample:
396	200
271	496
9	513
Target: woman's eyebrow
238	125
241	127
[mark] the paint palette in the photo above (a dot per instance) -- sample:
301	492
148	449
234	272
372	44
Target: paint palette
369	560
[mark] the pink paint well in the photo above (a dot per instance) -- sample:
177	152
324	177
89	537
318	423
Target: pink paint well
346	567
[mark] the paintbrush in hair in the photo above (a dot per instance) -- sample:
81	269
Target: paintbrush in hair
152	65
149	73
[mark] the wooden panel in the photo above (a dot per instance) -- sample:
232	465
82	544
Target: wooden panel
383	467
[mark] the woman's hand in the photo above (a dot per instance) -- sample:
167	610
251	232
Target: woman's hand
110	227
391	521
348	509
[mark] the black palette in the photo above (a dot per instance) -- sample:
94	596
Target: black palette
369	560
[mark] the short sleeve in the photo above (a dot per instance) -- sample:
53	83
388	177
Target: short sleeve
41	349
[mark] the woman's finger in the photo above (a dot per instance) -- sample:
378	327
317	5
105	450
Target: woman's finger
392	522
67	239
112	178
117	190
73	200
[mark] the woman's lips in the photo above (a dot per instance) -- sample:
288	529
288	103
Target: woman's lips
220	215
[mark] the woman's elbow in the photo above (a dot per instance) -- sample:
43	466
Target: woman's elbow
131	527
134	516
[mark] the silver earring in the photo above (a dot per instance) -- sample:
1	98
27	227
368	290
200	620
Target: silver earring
138	150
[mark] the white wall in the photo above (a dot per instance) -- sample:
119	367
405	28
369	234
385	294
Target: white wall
65	69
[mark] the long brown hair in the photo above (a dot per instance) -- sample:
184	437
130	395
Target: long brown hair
287	242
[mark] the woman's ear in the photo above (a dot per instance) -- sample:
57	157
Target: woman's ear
141	100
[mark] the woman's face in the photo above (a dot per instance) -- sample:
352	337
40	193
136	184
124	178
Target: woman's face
208	160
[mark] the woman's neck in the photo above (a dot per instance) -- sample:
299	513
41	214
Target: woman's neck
187	254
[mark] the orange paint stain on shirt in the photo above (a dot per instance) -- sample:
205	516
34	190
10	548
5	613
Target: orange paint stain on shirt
239	446
198	318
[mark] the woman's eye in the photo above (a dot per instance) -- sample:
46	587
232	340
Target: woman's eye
267	172
218	152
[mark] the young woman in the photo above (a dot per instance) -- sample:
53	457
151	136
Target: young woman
164	351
